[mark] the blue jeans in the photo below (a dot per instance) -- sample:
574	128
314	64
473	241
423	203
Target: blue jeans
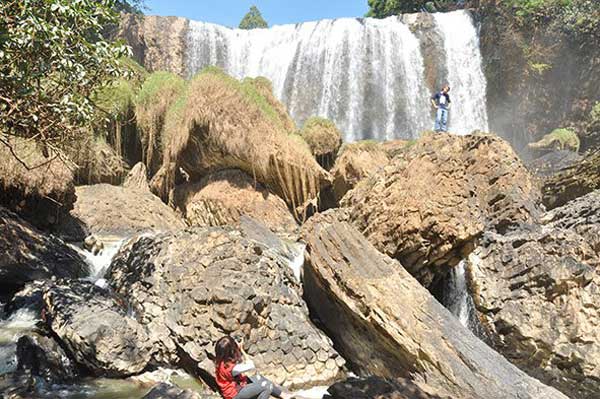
441	120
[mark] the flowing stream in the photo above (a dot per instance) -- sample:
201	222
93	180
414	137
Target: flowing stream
365	74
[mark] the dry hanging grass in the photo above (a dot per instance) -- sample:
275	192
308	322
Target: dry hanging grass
220	123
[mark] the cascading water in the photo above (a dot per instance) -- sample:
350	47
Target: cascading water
367	75
465	74
457	298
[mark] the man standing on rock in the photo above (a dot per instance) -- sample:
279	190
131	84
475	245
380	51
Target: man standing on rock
441	101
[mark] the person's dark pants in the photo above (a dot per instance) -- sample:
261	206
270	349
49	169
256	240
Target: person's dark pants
259	388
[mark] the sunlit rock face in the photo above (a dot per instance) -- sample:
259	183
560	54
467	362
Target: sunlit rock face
372	77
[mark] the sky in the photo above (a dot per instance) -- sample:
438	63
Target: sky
275	12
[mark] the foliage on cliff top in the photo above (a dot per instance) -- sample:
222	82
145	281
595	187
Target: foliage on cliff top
53	56
219	122
387	8
561	138
253	20
322	136
264	87
159	91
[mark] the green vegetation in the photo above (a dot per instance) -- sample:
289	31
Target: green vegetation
563	139
322	136
386	8
53	57
595	114
253	20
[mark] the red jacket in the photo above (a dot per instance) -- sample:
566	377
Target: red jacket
228	384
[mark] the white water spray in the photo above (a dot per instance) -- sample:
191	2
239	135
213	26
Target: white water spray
465	73
100	262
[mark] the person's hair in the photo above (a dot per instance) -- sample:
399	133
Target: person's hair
446	86
227	350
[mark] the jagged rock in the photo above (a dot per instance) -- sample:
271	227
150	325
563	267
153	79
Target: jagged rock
42	194
41	356
168	391
137	178
538	294
572	182
376	388
111	210
192	287
28	254
157	42
95	329
553	162
357	161
385	323
427	207
223	197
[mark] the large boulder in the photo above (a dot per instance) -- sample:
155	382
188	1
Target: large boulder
385	323
376	388
39	188
356	162
28	254
250	136
574	181
429	205
41	356
537	292
103	209
192	287
223	197
96	329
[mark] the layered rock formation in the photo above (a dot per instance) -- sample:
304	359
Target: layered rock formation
387	324
103	209
574	181
223	197
137	178
357	161
28	254
537	292
428	206
192	287
95	329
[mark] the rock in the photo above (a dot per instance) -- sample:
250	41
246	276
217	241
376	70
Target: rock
357	161
41	356
168	391
137	178
223	197
28	254
572	182
248	137
43	194
95	329
192	287
427	207
538	293
553	162
157	42
117	211
385	323
376	388
323	138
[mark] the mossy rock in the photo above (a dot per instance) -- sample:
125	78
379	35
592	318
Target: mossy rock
559	139
323	138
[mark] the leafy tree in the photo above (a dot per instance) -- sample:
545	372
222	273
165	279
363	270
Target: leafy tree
253	20
130	6
386	8
53	56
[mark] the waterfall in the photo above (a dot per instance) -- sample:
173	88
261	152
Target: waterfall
456	295
364	74
367	75
465	74
99	262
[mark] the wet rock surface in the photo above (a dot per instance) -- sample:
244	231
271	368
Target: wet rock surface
192	287
112	210
427	207
29	254
376	388
41	356
538	293
384	322
168	391
223	197
95	329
